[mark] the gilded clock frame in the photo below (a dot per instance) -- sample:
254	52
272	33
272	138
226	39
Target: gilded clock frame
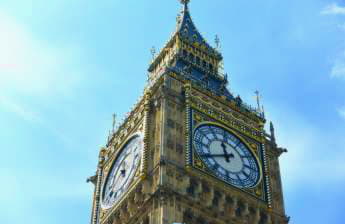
195	165
137	122
257	160
137	173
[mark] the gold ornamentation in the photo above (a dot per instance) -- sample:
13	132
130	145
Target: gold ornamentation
228	121
198	163
198	118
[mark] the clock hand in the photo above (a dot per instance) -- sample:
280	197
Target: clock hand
226	155
123	171
117	176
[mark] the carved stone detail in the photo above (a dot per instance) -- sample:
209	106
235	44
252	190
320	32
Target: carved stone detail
257	216
206	197
131	206
245	211
233	207
124	214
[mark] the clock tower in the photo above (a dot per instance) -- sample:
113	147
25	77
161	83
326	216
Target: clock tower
190	151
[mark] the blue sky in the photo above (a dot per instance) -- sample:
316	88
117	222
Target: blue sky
66	66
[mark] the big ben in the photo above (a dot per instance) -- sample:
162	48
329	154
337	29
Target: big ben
190	151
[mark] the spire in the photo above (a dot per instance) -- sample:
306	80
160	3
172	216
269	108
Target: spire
217	42
258	97
188	31
187	54
273	137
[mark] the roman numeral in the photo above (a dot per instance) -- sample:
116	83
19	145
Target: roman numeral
237	144
239	178
214	134
205	135
245	174
225	137
201	143
251	168
216	166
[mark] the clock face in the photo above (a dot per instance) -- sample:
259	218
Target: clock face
122	171
226	156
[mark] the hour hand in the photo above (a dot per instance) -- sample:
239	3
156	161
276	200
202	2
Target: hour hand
123	170
226	154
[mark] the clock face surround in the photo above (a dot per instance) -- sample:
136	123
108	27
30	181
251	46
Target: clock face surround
122	171
226	155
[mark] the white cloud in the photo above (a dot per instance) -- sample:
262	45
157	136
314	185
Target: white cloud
26	114
35	74
31	66
341	112
338	69
333	9
32	116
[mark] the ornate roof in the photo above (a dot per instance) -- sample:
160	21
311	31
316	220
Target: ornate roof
187	29
188	54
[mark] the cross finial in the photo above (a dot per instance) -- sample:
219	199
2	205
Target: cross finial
185	2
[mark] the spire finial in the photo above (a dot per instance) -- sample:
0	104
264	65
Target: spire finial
114	123
153	52
258	97
185	2
217	41
273	137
